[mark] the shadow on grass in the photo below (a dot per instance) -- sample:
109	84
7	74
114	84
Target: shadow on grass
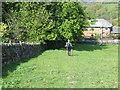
79	47
89	47
13	65
86	47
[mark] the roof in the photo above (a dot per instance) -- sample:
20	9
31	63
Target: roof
100	23
115	30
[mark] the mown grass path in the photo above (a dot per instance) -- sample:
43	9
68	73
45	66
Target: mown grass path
91	66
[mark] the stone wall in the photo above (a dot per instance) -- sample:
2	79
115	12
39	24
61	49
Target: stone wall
16	51
19	51
101	41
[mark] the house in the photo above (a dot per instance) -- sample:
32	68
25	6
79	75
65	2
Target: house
98	27
115	30
115	33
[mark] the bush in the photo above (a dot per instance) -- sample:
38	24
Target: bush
117	36
97	35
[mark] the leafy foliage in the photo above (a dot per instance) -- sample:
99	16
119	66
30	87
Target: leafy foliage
40	21
107	11
69	18
5	34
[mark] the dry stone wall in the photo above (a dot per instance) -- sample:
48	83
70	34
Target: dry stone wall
19	51
16	51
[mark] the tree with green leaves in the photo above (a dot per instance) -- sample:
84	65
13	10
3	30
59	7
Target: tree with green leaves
40	21
70	19
30	23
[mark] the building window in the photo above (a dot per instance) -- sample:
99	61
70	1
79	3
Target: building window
106	28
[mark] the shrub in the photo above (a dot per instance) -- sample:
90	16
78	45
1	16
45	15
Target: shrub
97	35
115	36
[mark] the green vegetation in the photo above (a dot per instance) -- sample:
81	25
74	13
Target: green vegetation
108	11
97	35
91	66
115	36
40	21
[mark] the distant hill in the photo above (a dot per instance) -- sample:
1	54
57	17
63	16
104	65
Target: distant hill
108	11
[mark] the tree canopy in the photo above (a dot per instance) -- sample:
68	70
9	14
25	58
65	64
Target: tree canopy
40	21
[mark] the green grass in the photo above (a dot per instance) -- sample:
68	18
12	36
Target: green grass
90	66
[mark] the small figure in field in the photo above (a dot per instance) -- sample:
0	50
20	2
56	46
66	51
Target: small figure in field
69	47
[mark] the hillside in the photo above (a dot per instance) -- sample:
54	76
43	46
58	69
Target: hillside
108	11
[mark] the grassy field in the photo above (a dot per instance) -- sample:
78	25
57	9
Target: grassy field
90	66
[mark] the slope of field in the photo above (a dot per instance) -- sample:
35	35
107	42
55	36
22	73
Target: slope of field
90	66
